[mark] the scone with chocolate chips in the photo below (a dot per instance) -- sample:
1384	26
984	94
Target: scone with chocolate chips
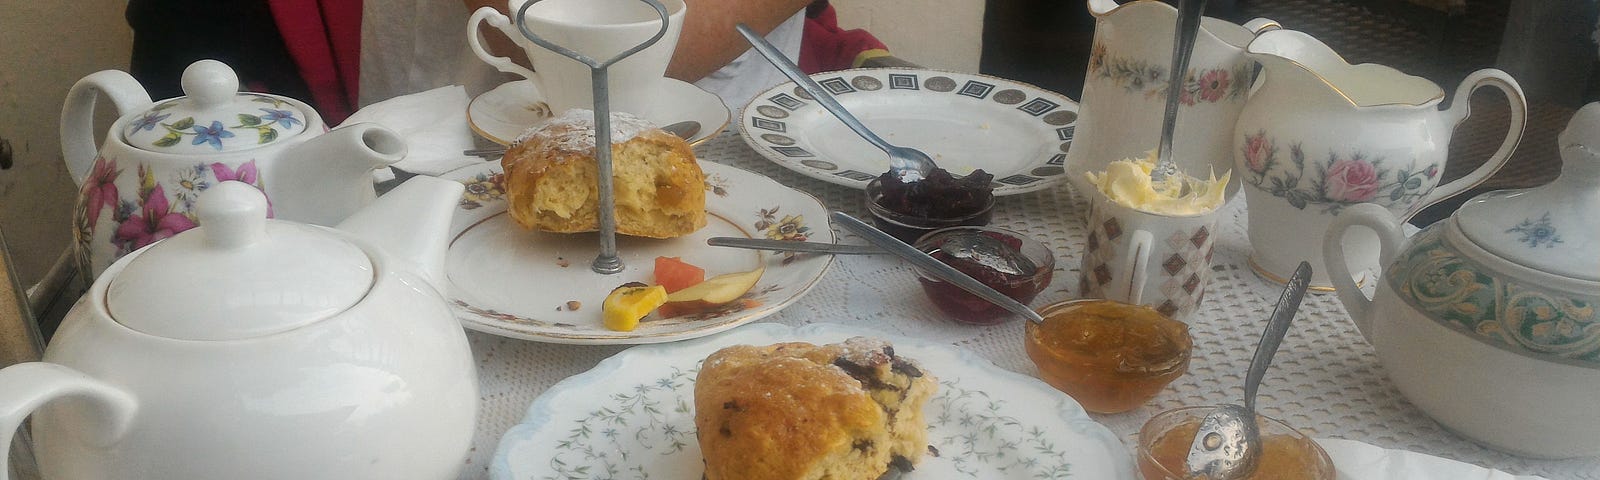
798	411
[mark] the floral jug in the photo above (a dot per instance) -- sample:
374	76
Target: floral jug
1125	89
1320	135
142	184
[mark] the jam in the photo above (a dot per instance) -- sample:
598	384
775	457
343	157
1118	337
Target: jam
908	210
1285	453
1005	261
939	195
1109	356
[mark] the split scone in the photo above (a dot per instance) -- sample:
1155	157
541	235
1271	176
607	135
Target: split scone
551	178
797	411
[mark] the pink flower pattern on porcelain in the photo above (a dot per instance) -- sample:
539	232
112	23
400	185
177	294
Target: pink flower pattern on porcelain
159	210
1336	182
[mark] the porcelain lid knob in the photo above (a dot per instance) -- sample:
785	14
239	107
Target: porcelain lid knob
210	84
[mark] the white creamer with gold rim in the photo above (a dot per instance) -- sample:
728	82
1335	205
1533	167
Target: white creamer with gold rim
1489	321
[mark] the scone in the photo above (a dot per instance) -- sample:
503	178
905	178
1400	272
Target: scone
797	411
551	178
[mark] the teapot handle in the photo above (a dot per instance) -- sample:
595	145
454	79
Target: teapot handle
1460	109
26	387
77	115
500	21
1380	220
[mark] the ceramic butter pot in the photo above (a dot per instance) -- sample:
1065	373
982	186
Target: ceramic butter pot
142	184
250	348
1489	321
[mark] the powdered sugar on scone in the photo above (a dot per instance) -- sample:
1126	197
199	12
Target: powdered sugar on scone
573	130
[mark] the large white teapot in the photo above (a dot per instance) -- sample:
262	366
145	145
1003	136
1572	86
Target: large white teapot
1489	321
158	157
250	348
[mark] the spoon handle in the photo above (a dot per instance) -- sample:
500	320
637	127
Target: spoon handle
1189	12
792	246
804	81
933	266
1282	316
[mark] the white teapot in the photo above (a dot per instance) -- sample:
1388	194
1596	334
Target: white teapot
250	348
142	183
1489	321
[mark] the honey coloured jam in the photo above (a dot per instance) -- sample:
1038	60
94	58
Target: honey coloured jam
1109	356
1286	454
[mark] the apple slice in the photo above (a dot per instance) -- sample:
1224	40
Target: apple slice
719	289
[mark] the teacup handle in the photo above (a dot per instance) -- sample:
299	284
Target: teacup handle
474	40
26	387
1135	263
1460	109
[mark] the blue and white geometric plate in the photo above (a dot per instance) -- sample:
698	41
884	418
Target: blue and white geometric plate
1017	132
632	416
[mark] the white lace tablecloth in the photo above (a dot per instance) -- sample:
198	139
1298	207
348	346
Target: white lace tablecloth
1325	380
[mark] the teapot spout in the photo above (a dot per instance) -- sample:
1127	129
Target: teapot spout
329	177
412	224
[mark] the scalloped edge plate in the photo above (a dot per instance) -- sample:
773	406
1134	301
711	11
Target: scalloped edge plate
633	413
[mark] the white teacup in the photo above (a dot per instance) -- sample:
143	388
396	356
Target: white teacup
599	29
1143	258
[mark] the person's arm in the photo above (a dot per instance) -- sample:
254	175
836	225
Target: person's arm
709	40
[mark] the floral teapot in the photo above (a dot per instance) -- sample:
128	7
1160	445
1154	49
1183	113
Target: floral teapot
1319	135
252	348
1489	321
158	157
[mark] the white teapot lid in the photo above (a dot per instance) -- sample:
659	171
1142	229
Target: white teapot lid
214	116
1554	228
238	275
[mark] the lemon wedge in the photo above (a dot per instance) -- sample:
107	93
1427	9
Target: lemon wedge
626	305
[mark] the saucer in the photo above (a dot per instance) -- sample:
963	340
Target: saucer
502	114
1017	132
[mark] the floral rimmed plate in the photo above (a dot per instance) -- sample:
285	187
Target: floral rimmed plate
1017	132
633	417
509	281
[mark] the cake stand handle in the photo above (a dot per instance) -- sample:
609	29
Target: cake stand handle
607	262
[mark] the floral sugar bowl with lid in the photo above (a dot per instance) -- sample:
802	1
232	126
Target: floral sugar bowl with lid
260	349
1489	321
141	185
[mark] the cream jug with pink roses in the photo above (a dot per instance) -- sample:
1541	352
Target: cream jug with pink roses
141	185
1319	135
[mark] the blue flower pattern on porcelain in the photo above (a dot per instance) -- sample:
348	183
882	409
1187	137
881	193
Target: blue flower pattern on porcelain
1536	232
268	126
212	134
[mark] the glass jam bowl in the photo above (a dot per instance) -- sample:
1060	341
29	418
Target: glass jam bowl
908	227
1285	452
1029	270
1110	356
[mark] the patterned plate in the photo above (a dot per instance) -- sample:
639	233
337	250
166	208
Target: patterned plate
1017	132
633	417
513	282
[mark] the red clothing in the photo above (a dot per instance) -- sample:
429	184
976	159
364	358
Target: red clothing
324	38
825	47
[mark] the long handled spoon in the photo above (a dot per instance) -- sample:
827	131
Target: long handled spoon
1228	444
1182	46
909	164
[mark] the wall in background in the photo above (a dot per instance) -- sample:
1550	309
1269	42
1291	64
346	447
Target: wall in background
941	34
44	48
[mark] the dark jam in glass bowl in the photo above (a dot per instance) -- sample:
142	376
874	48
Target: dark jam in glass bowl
1020	269
909	210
